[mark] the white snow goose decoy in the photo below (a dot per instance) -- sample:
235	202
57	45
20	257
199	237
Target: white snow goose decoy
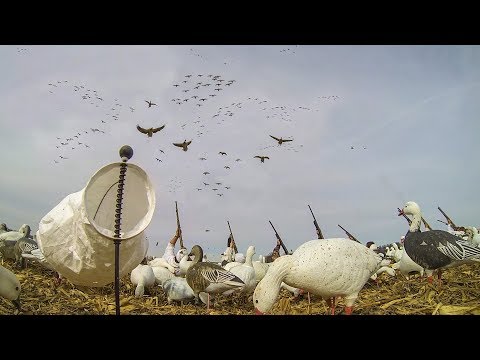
435	249
142	277
472	235
177	289
24	231
10	286
327	268
246	272
162	274
209	277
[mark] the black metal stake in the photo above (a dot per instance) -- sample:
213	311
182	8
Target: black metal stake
117	276
126	152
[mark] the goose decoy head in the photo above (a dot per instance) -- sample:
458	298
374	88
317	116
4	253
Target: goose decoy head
196	251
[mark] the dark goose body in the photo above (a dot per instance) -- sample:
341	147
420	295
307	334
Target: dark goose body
436	249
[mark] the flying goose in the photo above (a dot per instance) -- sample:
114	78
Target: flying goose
149	131
150	103
280	140
183	145
209	277
262	158
222	153
435	249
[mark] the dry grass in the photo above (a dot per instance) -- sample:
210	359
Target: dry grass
458	295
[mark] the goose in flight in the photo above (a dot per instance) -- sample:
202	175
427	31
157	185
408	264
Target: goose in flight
222	153
150	103
280	140
149	131
262	158
183	145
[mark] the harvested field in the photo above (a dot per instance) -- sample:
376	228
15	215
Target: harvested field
458	295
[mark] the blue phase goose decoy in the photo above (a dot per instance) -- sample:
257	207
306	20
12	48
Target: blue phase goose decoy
209	277
435	249
327	268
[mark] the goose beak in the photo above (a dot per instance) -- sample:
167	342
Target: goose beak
258	312
400	212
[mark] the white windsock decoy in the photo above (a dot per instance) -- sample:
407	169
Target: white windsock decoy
10	286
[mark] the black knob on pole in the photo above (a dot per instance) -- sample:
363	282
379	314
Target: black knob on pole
126	153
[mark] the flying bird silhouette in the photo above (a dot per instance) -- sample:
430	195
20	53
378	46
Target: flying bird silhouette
149	131
262	158
150	103
222	153
183	145
280	140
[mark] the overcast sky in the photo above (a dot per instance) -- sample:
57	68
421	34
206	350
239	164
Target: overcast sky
411	114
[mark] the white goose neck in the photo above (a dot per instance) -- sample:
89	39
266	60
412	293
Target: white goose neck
248	259
278	270
416	222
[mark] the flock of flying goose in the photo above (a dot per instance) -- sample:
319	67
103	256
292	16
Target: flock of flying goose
193	92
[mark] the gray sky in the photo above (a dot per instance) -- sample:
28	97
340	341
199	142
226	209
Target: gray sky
414	109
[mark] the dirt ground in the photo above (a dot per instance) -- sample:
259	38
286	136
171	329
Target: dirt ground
458	294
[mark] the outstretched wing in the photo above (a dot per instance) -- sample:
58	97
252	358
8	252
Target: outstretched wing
256	156
189	142
287	140
274	137
266	157
158	129
142	130
179	145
